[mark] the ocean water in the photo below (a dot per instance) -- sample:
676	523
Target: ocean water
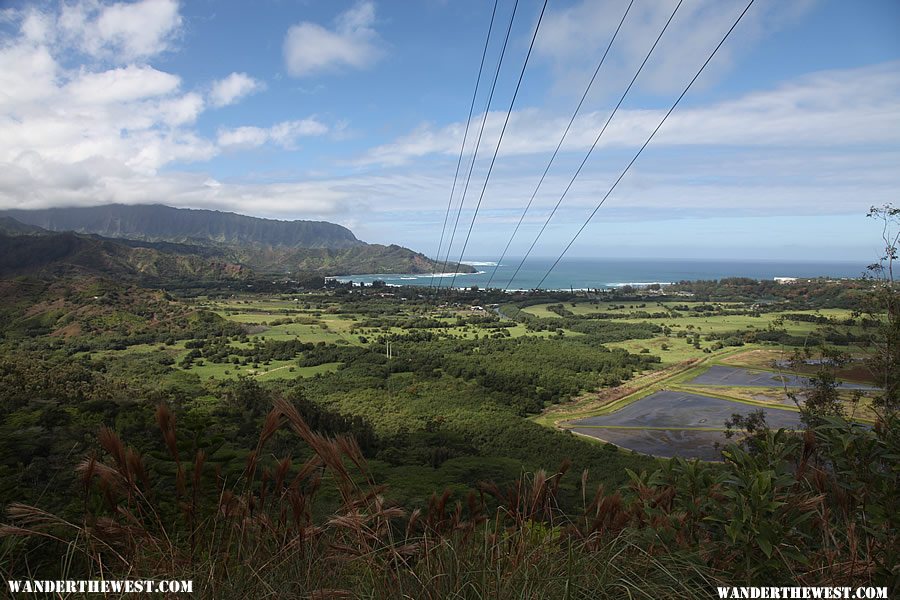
599	273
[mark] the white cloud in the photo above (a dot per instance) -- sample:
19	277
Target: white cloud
233	88
118	130
122	119
243	137
27	74
311	48
821	109
181	110
94	128
121	85
122	32
134	115
284	134
36	26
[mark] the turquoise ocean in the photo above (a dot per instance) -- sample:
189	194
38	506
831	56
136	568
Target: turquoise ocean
600	273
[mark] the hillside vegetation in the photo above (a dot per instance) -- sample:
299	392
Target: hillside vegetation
435	472
172	243
156	222
58	254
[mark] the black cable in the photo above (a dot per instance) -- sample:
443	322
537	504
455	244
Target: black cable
594	145
591	216
559	145
500	139
465	136
478	141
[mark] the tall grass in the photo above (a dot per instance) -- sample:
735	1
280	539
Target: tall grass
675	533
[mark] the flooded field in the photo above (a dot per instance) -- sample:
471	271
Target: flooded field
671	423
671	409
666	443
737	376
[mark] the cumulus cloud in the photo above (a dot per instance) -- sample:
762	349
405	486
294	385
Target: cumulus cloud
27	74
233	88
132	115
99	132
122	32
121	85
311	48
180	110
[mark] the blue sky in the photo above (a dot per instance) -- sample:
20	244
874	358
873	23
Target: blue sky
353	112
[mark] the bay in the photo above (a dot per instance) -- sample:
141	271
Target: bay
602	273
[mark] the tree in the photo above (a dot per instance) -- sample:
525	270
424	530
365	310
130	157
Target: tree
885	307
821	396
752	429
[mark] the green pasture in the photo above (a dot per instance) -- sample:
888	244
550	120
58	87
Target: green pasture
277	369
588	307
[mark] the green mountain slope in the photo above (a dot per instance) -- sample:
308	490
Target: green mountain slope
359	260
10	226
70	253
266	246
157	222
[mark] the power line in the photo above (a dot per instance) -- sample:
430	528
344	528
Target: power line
465	136
610	191
559	145
594	145
500	139
478	141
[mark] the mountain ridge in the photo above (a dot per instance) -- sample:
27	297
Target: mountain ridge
159	222
263	246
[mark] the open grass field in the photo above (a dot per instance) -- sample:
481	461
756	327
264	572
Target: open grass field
594	307
586	307
671	351
265	317
330	328
697	322
277	369
683	369
672	410
727	323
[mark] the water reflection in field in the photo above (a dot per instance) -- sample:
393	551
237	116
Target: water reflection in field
671	423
